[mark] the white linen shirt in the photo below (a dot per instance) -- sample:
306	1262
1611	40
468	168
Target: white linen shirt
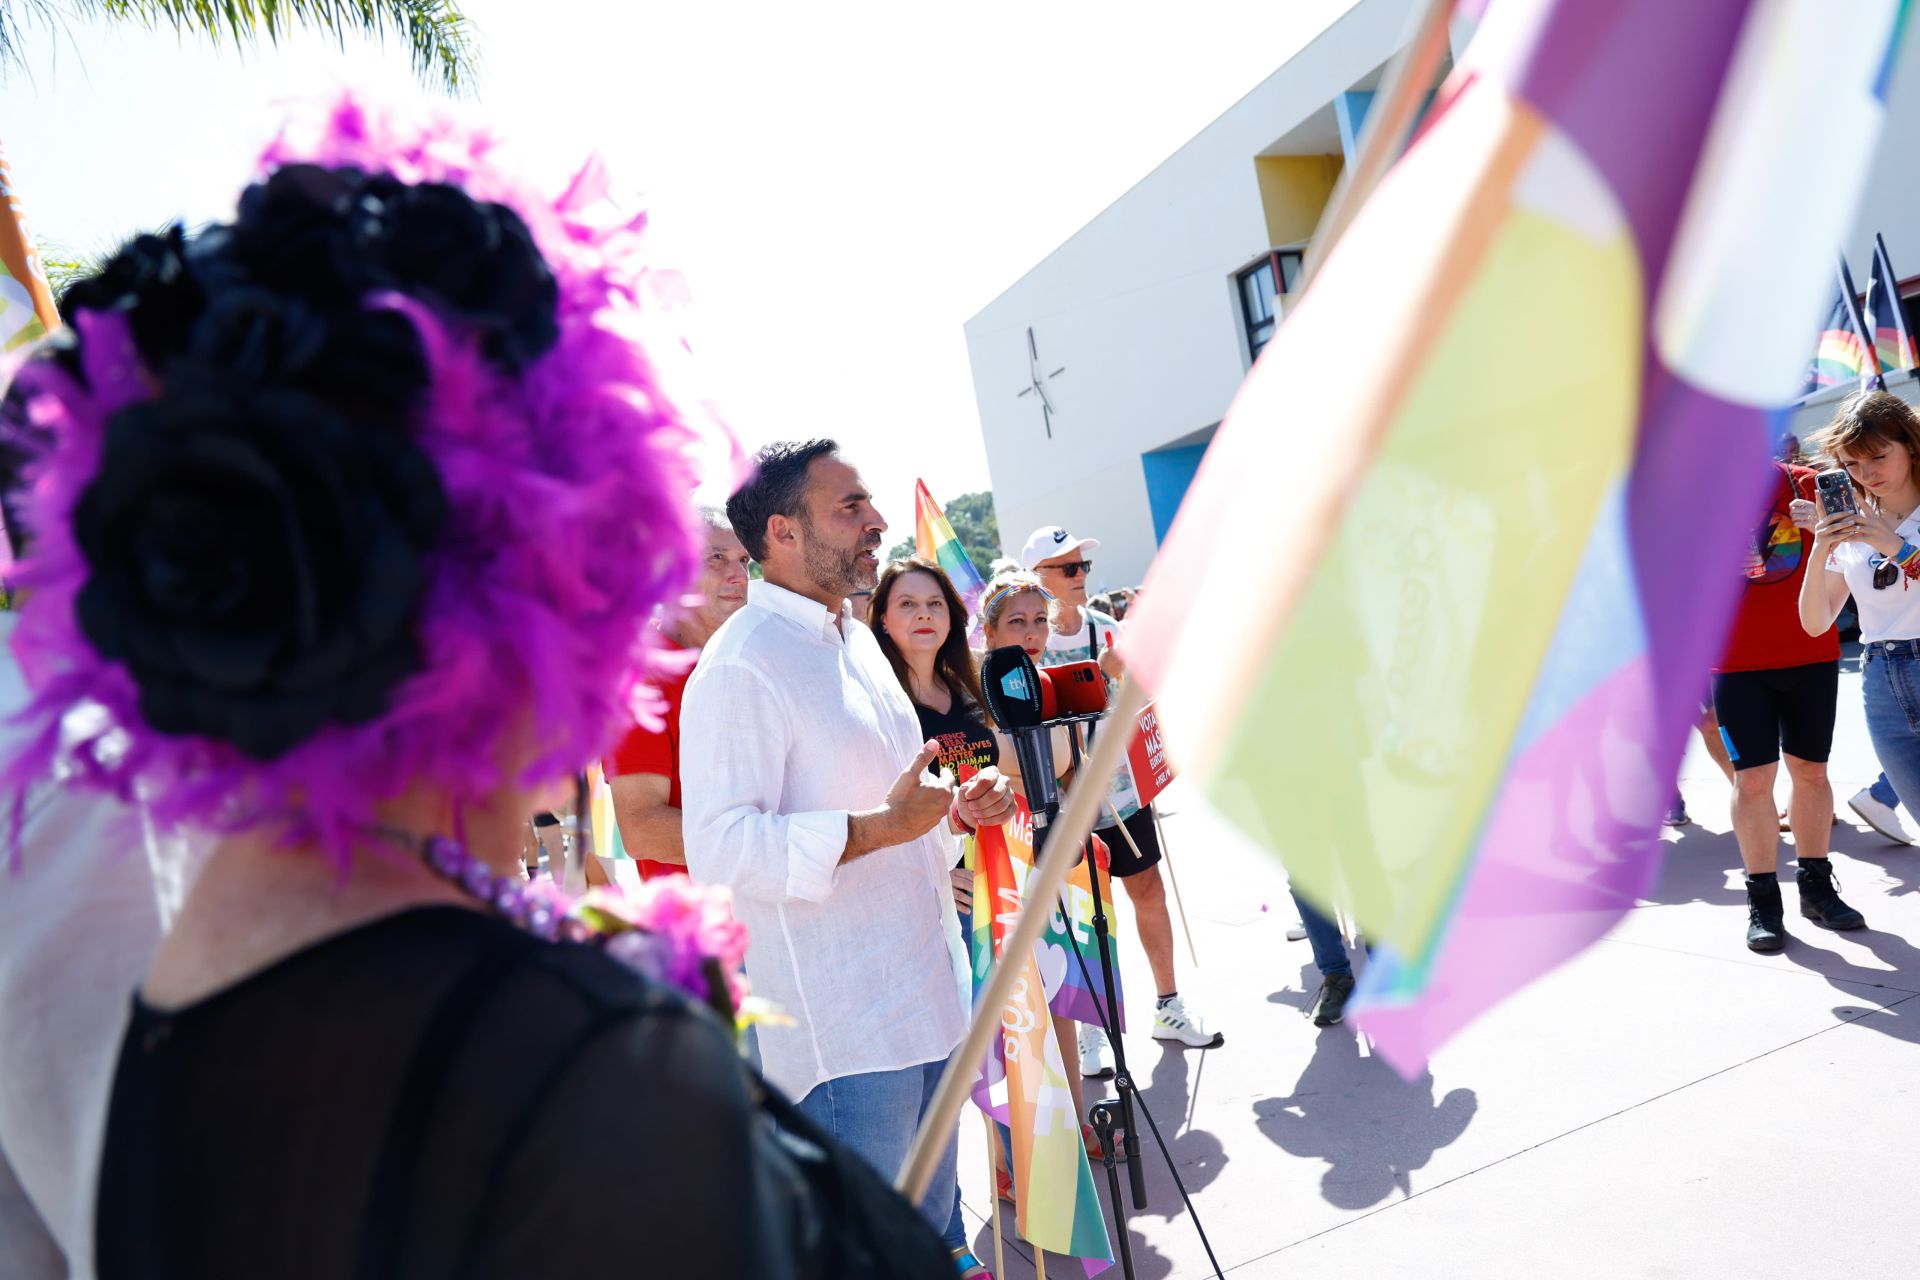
792	720
1891	613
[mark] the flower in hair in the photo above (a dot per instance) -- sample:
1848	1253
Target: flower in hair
375	485
257	562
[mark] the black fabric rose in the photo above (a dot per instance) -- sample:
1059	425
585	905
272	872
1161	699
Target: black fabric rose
149	280
477	261
257	563
291	234
367	364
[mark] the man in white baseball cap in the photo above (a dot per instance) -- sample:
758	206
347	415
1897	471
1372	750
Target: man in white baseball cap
1064	566
1054	543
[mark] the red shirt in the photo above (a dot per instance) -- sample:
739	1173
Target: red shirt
644	750
1767	634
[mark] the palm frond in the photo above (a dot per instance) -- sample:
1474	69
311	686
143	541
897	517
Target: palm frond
64	266
437	33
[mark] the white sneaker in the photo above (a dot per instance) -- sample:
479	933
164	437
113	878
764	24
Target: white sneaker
1096	1055
1878	816
1171	1021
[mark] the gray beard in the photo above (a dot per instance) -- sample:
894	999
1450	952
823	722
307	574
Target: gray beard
839	573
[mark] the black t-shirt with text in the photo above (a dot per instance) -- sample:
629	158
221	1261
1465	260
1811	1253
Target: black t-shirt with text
966	744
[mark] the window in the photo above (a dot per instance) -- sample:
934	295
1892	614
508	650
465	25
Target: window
1260	286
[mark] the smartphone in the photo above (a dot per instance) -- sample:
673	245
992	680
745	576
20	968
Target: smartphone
1836	493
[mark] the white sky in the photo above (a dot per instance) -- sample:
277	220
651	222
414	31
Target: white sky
844	183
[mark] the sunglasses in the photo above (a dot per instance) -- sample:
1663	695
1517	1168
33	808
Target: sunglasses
1075	568
1885	573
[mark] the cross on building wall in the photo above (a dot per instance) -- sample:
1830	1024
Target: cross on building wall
1036	384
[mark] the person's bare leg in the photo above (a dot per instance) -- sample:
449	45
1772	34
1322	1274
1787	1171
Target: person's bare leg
1810	808
1716	745
1756	823
1148	894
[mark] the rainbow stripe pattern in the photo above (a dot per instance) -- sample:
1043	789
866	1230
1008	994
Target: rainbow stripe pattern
1886	317
1456	706
934	539
1023	1082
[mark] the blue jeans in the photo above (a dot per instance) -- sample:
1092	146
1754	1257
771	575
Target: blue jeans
1882	790
1323	935
1890	679
875	1115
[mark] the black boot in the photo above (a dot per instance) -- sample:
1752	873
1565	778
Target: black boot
1766	925
1820	899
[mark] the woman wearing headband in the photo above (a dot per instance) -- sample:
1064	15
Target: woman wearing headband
347	516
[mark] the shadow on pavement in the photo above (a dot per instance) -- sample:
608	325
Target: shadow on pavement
1372	1128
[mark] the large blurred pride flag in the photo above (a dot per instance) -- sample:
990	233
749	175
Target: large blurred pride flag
1500	518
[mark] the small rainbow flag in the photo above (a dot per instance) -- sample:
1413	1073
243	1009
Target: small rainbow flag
1457	704
934	539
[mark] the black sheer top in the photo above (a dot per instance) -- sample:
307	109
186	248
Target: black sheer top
435	1094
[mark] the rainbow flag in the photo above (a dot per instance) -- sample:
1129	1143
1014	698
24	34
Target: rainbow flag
1840	353
1886	316
1456	705
934	539
26	303
1071	991
1023	1083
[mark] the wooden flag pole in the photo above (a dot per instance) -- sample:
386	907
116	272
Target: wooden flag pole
1071	830
1407	79
1039	1263
993	1195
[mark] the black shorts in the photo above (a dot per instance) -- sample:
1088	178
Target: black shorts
1790	709
1140	827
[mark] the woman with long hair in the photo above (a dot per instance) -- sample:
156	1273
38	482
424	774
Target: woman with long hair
921	625
1014	610
347	517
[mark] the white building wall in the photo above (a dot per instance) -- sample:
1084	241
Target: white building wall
1139	308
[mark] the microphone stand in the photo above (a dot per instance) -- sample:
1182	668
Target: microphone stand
1107	1118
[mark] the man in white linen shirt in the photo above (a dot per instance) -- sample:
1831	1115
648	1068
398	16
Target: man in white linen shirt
806	790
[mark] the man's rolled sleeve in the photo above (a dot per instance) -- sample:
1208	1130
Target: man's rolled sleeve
734	743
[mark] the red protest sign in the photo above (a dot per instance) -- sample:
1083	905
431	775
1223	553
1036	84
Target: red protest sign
1147	757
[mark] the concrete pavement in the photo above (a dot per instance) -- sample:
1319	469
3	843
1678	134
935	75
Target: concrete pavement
1667	1105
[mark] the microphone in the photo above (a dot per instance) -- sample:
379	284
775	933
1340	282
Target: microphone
1019	697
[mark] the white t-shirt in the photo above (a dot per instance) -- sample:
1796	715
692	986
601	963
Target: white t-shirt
1886	613
80	923
1077	646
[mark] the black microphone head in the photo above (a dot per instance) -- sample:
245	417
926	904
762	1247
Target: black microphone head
1012	686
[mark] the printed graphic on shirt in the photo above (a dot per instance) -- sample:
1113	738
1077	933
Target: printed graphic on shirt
1783	545
963	754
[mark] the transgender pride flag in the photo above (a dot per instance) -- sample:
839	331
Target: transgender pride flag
1455	702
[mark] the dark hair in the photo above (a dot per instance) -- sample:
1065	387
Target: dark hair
778	488
954	662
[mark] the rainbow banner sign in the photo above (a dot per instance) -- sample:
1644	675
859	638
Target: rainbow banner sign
1023	1082
934	539
1070	928
1456	705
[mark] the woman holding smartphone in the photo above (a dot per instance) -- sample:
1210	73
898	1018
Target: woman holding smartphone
1873	554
